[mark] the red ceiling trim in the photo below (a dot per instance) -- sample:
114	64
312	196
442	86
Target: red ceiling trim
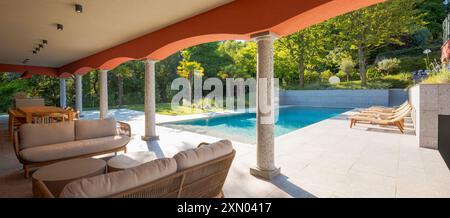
236	20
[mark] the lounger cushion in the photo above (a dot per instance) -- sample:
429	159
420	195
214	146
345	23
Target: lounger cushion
193	157
116	182
74	148
32	135
89	129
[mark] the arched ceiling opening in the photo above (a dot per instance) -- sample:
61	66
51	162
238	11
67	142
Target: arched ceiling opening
236	20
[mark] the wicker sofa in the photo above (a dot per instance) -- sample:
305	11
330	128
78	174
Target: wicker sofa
41	144
194	173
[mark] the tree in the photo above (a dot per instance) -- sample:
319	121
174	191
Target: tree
306	48
368	28
166	72
209	56
347	66
434	13
241	59
122	72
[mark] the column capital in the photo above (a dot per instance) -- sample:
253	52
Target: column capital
151	61
267	35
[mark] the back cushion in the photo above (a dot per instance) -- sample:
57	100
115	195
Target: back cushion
192	157
44	134
89	129
116	182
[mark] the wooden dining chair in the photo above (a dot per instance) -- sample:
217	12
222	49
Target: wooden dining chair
15	119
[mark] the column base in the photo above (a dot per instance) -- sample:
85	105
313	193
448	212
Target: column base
150	138
265	174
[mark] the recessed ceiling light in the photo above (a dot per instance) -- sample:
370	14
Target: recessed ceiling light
59	26
79	8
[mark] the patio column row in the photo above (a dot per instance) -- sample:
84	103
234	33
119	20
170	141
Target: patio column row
62	92
103	86
79	93
150	101
265	116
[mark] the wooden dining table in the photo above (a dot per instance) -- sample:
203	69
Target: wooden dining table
31	111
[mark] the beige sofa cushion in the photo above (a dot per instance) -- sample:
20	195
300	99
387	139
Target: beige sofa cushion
89	129
192	157
73	148
116	182
32	135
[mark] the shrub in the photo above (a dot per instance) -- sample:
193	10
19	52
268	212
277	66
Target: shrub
388	66
442	76
311	76
347	66
325	75
342	75
401	80
422	37
373	73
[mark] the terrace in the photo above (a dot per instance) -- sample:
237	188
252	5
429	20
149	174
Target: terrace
324	159
360	162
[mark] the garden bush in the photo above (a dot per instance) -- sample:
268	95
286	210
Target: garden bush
342	75
442	76
347	66
325	75
373	73
401	80
422	37
388	66
311	76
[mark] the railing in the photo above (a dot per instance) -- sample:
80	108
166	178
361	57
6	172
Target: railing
446	29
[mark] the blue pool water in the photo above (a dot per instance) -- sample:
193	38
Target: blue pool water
242	127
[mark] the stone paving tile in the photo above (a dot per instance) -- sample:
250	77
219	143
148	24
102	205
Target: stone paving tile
326	159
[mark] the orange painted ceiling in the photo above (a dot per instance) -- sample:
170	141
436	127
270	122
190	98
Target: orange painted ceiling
236	20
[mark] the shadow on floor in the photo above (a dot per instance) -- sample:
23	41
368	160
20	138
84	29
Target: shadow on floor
282	182
154	146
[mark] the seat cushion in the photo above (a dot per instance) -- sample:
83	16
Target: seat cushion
72	149
193	157
90	129
116	182
32	135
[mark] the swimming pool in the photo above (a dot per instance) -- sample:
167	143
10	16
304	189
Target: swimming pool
242	127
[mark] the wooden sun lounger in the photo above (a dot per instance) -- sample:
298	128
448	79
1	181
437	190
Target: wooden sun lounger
379	109
383	114
397	120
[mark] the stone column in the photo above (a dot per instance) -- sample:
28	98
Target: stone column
103	80
79	87
150	102
62	92
265	167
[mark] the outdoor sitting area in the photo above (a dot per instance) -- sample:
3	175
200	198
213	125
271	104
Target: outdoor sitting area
42	144
199	172
224	98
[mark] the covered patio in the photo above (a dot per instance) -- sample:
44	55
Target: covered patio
345	163
238	20
368	163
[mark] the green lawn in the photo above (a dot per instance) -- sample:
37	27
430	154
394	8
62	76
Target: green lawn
163	108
